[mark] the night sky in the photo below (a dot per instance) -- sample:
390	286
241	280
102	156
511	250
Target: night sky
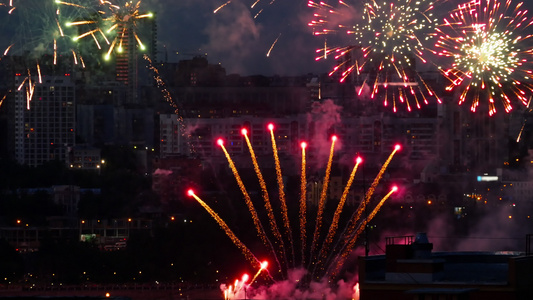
239	42
235	39
236	36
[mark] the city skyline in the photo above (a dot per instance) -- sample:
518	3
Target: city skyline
115	161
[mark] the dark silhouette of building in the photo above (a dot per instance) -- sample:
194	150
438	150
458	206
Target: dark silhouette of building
410	270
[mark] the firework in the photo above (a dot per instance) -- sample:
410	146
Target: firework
488	49
115	23
167	95
281	188
336	217
526	112
272	46
303	202
325	260
221	6
323	194
255	10
247	253
37	38
255	5
266	198
258	225
384	46
37	27
2	100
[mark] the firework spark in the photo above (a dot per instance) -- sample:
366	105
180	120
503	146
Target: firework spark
273	44
167	95
259	227
491	62
114	22
266	198
385	45
527	111
249	255
221	6
37	38
39	28
316	257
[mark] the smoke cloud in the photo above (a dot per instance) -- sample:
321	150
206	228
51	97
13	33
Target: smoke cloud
324	117
289	289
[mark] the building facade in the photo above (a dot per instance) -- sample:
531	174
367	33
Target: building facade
45	120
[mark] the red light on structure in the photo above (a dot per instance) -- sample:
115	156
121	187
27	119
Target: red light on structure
303	145
244	131
397	147
334	138
190	193
270	126
220	142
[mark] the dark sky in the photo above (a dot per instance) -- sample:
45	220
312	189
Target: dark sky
235	39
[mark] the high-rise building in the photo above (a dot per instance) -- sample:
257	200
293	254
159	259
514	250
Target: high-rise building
45	126
134	43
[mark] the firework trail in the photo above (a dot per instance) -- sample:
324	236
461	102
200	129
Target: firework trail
279	177
245	278
322	201
336	217
258	226
352	223
346	239
247	253
170	100
528	110
221	6
273	44
303	202
268	205
357	214
353	238
264	265
383	49
490	53
3	98
38	27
